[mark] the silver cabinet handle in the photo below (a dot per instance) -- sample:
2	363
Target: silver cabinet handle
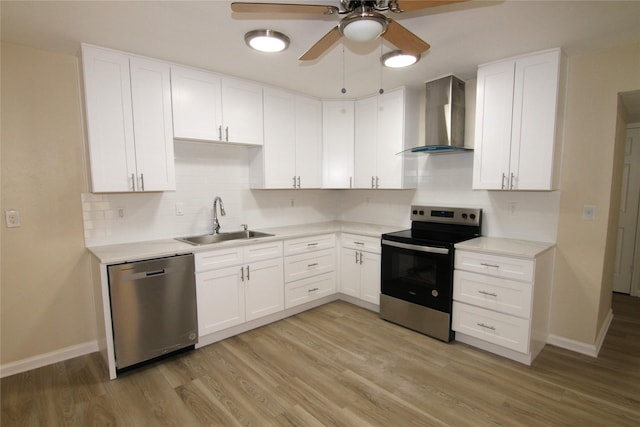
490	265
242	273
312	290
503	177
142	181
357	261
133	182
312	265
294	182
248	277
359	243
373	182
377	182
361	257
312	244
491	294
511	186
482	325
226	133
220	133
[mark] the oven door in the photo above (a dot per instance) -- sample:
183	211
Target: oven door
419	274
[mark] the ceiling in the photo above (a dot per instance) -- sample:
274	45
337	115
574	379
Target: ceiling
207	34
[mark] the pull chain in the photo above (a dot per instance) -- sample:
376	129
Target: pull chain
381	91
343	90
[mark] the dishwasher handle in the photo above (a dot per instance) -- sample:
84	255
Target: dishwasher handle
155	273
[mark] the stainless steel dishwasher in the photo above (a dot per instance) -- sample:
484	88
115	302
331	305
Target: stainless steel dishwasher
153	308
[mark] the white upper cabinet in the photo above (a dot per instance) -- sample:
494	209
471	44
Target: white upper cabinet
337	143
129	126
209	107
516	123
291	155
385	125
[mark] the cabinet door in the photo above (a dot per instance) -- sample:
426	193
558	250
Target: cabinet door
279	149
264	288
220	299
389	165
197	107
153	128
366	142
494	107
350	272
308	152
337	144
370	277
535	101
109	120
242	120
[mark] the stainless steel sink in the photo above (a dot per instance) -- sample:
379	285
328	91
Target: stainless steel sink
208	239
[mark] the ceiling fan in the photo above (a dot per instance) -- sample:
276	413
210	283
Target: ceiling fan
364	21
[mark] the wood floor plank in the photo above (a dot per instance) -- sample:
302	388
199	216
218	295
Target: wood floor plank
340	365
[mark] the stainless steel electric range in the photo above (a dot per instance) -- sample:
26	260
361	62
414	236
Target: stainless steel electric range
417	268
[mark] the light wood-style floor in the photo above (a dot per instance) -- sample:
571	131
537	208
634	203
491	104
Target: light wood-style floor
341	365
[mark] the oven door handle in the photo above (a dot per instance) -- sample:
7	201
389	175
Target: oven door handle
428	249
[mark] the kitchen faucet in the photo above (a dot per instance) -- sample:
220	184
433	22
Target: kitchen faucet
216	223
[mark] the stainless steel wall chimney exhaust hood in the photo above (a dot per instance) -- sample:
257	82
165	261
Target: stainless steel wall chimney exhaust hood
444	116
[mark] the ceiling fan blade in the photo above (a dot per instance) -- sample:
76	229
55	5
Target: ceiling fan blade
404	39
411	5
242	7
322	45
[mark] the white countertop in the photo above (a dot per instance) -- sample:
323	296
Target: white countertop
124	252
503	246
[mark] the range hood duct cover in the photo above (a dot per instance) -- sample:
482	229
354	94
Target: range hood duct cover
444	116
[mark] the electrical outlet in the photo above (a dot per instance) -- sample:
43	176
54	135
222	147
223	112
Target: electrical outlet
12	218
588	213
179	208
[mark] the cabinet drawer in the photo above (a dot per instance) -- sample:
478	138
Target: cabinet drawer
495	265
218	258
362	243
497	294
309	289
306	265
497	328
309	244
261	251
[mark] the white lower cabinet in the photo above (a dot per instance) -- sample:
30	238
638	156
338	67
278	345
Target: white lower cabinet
235	285
501	302
360	267
309	269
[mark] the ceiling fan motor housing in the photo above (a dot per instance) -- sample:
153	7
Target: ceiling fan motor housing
351	5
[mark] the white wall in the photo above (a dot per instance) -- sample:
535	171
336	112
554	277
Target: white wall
204	171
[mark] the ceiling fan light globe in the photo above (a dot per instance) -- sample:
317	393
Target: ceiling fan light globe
363	30
266	41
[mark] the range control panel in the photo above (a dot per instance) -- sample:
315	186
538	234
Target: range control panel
447	215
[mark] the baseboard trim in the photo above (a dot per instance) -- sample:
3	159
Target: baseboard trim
48	358
580	347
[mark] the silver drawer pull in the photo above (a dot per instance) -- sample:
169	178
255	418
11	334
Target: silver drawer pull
482	325
491	294
490	265
312	265
359	243
312	244
312	290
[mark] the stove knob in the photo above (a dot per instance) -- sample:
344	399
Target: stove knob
472	216
464	216
415	212
421	212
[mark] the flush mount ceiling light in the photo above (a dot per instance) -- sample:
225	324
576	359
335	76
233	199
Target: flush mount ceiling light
266	40
399	59
363	26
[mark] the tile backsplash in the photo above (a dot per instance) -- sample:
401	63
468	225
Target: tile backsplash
204	171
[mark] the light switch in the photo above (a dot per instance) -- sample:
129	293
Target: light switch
12	218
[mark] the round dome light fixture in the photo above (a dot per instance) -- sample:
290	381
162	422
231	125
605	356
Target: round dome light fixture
363	26
399	59
266	40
